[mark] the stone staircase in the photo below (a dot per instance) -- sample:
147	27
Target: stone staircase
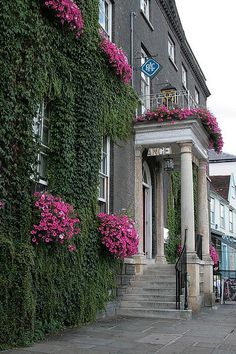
153	294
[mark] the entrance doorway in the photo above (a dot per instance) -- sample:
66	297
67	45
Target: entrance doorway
147	211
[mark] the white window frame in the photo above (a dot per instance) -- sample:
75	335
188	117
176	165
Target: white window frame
105	17
197	96
222	216
231	225
171	49
212	210
145	7
184	76
38	129
104	174
145	88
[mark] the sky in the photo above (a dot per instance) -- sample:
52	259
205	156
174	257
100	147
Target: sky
210	29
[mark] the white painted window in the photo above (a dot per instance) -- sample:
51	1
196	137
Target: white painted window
145	7
145	85
197	96
171	49
212	211
231	228
222	216
105	16
40	128
184	76
104	176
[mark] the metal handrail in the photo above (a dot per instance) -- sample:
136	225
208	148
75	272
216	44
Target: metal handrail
181	277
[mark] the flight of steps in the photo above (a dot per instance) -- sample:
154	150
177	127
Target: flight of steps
153	294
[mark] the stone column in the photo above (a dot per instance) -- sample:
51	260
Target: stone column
187	201
139	258
187	223
160	257
203	229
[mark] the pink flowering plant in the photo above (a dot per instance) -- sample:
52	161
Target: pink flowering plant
163	114
117	59
118	234
68	13
58	222
214	255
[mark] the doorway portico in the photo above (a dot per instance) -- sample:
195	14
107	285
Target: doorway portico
187	142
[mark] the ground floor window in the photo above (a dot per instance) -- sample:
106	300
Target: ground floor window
104	176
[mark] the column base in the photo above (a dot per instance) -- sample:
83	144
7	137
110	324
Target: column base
140	263
160	260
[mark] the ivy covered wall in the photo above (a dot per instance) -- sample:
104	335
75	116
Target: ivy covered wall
46	288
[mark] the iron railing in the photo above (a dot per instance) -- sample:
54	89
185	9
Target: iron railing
198	245
180	99
181	278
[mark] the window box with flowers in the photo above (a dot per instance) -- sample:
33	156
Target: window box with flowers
209	122
117	59
118	235
58	222
68	13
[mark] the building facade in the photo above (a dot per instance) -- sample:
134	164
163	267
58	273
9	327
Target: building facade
138	176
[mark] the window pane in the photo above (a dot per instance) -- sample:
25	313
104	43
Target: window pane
102	189
102	13
43	166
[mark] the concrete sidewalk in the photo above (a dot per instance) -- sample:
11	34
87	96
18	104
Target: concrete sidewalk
211	331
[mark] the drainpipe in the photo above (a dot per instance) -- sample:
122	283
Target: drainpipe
132	15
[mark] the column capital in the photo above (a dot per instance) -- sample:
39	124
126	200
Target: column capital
138	150
203	164
185	147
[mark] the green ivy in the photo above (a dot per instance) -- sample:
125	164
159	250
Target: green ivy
173	216
46	289
174	212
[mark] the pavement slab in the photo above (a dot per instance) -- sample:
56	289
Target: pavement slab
212	331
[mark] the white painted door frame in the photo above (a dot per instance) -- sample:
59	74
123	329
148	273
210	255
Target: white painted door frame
148	210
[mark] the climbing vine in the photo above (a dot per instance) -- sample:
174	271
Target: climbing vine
174	212
46	288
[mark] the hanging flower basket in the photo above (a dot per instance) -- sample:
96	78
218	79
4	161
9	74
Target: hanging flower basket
58	222
163	114
214	255
118	235
117	59
68	13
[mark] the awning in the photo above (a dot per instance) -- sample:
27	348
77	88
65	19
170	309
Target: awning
226	239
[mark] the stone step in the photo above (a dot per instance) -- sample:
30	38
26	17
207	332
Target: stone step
148	304
156	277
151	291
149	297
155	313
150	284
160	272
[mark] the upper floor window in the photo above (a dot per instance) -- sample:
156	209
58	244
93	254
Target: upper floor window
212	211
40	128
197	96
171	49
222	216
231	228
145	85
105	16
104	176
145	7
184	76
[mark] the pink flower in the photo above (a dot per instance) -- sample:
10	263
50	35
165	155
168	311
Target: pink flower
72	248
68	12
214	255
52	228
208	121
2	204
118	234
117	59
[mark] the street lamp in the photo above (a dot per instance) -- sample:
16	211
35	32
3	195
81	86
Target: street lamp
169	164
